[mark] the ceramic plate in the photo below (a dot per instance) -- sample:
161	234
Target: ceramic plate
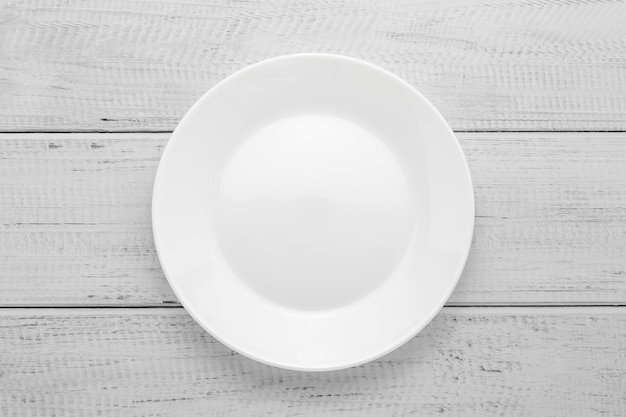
313	212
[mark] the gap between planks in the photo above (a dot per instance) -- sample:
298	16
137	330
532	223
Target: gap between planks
144	132
477	310
526	307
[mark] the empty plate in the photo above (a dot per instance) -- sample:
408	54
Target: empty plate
313	212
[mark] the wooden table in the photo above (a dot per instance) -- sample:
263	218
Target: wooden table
89	92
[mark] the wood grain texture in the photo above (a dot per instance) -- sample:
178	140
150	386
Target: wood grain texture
75	219
122	65
468	361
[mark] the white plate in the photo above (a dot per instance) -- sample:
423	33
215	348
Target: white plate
313	212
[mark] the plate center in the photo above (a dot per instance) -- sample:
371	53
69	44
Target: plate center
313	212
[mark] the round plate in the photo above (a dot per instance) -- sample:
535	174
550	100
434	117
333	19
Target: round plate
313	212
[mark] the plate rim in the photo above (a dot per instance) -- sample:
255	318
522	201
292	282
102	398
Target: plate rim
413	331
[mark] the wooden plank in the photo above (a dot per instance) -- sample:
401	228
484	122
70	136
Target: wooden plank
550	219
75	219
468	361
123	65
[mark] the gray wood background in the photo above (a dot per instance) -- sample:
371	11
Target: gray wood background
89	91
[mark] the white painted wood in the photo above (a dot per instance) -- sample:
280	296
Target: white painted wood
75	219
469	361
138	65
75	208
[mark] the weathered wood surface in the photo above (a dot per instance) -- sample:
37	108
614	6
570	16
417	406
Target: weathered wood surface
469	361
121	65
75	208
75	219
